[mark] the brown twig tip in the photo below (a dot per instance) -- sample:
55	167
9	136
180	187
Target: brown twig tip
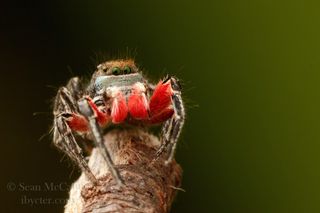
149	187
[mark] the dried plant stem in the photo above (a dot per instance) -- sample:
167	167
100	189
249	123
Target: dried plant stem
149	187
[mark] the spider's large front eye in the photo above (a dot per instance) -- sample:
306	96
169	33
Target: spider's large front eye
126	70
116	71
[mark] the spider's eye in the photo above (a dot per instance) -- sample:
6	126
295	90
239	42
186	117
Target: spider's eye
116	71
127	70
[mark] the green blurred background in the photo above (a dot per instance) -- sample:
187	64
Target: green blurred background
250	70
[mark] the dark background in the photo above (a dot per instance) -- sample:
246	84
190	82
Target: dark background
250	71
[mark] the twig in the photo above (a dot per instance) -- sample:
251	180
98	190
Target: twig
149	187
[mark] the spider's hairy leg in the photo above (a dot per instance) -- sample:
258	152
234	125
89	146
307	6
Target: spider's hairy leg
173	126
64	109
65	141
164	138
177	118
86	109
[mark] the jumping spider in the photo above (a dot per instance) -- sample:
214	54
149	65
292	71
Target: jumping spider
117	93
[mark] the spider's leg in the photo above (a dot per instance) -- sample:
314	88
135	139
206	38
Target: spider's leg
87	110
164	138
173	126
65	141
64	108
178	118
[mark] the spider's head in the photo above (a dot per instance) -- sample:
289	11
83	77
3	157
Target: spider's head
120	73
